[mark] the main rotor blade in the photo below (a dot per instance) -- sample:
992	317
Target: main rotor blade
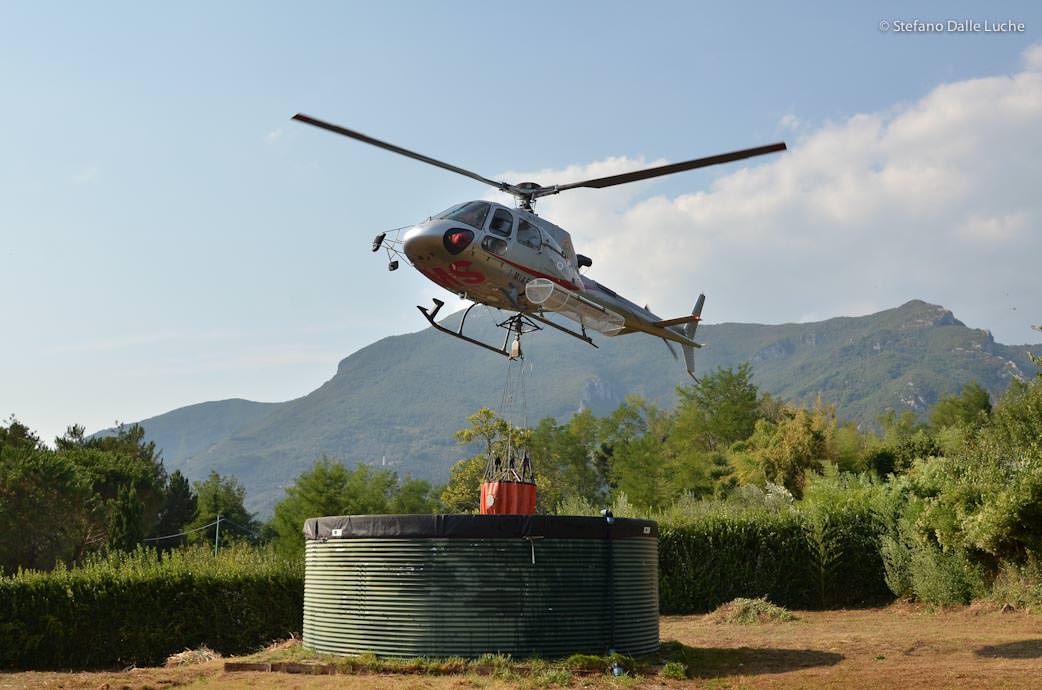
648	173
503	186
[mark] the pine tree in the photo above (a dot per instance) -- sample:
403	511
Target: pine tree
180	507
124	527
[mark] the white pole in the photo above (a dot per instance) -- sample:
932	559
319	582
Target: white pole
217	534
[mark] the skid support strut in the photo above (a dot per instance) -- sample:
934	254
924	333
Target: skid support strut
517	325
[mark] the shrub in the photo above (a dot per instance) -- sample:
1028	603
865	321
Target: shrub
139	608
944	577
675	670
726	553
819	553
1019	587
847	515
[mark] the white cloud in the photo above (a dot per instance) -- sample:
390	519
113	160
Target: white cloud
273	136
1033	57
933	200
994	228
789	122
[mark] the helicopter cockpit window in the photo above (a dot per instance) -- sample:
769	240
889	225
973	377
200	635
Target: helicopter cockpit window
502	222
528	234
472	213
550	242
558	240
449	210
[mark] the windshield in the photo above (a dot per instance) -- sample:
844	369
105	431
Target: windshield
472	213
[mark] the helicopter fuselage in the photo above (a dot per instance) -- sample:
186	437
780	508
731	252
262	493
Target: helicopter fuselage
489	253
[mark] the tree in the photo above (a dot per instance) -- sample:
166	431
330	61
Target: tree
124	525
971	408
108	491
493	432
897	427
713	413
223	496
1016	421
112	463
18	435
329	488
797	447
108	473
463	492
414	496
562	459
180	508
641	467
718	409
45	503
783	452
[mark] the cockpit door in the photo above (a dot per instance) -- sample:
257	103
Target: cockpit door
500	230
529	235
502	223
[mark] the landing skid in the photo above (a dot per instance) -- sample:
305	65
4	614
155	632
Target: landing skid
575	334
517	325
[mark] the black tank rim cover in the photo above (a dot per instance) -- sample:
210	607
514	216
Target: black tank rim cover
463	526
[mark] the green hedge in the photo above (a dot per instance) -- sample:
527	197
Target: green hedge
140	608
824	557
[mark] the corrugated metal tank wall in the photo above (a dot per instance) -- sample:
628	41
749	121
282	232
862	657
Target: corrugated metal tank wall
469	585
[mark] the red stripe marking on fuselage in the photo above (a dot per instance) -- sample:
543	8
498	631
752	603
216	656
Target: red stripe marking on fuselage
439	276
537	274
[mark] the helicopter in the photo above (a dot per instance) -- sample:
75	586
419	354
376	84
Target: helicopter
511	259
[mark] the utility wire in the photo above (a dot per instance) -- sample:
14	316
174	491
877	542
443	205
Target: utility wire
200	529
181	534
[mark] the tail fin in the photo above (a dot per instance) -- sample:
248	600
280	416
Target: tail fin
689	332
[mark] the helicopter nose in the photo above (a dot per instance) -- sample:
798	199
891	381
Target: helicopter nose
436	239
423	240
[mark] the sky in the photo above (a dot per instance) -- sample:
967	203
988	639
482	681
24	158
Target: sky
168	236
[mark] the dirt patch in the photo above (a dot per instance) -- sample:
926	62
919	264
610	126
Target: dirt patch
905	646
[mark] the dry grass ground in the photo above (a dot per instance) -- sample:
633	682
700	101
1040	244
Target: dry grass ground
900	646
911	647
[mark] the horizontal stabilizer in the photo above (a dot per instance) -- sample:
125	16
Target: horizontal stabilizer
679	320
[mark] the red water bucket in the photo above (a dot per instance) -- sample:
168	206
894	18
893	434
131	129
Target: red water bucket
507	498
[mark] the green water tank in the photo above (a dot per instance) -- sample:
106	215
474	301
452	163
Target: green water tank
466	585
